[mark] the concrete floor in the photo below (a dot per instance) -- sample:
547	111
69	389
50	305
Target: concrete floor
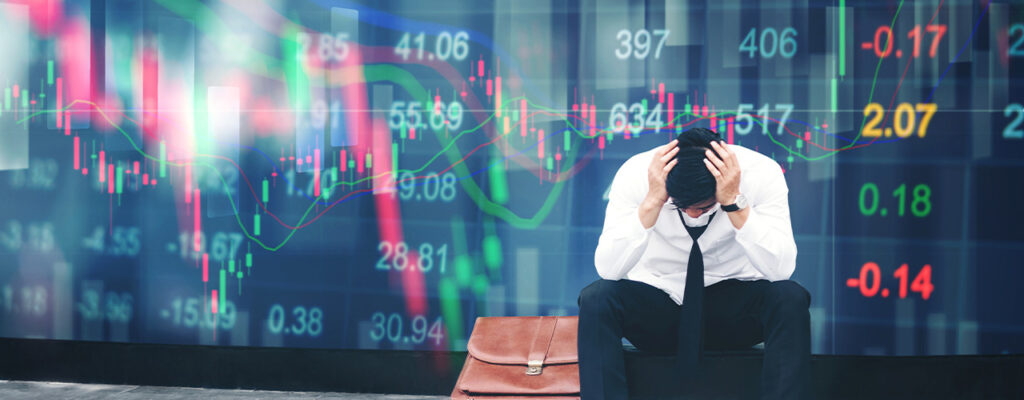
18	390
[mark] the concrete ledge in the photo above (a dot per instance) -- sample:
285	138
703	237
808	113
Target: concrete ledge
728	374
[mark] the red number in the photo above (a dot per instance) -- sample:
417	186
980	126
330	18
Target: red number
872	268
922	282
901	274
916	35
888	41
939	31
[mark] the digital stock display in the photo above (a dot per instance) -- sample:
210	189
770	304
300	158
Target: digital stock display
376	175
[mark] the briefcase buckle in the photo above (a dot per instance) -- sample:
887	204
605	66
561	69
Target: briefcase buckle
533	367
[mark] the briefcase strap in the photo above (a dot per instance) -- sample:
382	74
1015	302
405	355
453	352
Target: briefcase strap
541	344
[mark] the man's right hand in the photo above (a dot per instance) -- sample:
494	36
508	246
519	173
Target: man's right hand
663	161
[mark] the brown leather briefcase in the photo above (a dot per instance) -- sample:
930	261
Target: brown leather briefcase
520	357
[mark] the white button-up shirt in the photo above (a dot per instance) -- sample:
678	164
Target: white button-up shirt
763	249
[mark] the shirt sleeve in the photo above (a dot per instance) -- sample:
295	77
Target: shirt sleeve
623	238
767	236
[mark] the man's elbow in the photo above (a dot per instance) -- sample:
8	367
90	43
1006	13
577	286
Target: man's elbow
786	265
606	269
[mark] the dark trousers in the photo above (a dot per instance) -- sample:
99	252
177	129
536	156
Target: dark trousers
737	314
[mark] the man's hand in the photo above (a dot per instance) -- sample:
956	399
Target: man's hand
723	165
663	161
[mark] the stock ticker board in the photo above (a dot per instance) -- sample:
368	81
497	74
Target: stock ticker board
376	175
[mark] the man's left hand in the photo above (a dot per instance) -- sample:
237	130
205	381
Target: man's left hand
726	170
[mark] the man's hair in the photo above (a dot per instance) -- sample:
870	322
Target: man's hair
690	182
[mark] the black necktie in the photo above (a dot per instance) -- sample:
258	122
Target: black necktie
691	331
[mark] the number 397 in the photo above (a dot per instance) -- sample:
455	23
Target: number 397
638	44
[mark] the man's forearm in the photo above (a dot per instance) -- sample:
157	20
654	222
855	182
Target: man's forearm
648	212
739	218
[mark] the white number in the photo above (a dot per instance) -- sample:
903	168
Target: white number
643	47
639	44
426	251
316	324
402	48
654	118
299	313
448	187
413	115
438	118
225	245
461	47
399	257
627	46
401	253
191	312
374	334
786	45
455	115
341	46
119	307
437	331
394	327
618	119
429	194
637	109
419	329
385	249
329	47
276	320
333	47
41	174
126	241
39	236
785	116
445	46
390	327
432	186
746	127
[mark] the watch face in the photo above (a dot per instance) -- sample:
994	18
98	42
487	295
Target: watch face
741	201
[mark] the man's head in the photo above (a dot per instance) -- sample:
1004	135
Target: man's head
690	185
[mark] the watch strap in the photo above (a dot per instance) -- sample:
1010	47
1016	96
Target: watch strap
731	207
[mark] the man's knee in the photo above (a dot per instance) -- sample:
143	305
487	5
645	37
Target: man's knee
789	295
596	295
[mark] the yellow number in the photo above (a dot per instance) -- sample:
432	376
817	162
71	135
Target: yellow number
904	130
871	129
929	111
904	119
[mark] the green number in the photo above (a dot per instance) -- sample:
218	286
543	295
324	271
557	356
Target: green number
922	196
901	192
874	199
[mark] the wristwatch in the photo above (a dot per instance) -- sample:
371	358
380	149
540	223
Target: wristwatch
741	203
